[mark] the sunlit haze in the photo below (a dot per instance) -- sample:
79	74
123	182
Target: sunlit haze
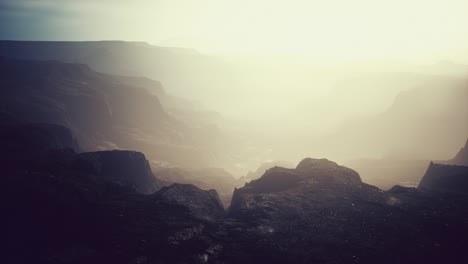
288	79
331	31
226	132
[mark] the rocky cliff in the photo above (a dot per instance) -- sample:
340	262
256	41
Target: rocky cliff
125	168
445	178
322	212
103	111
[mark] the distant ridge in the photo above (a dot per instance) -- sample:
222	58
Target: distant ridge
462	156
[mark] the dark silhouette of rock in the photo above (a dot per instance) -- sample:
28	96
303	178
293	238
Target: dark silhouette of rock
445	178
321	212
321	167
125	168
397	189
253	175
37	137
198	204
75	208
204	178
316	172
27	145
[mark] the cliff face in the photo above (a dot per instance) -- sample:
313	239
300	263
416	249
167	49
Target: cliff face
90	104
26	145
92	204
445	178
125	168
102	111
37	137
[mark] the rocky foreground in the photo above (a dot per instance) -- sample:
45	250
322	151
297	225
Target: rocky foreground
321	212
61	206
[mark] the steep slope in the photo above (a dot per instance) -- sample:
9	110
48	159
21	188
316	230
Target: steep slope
125	168
72	95
73	208
31	144
103	111
167	65
445	178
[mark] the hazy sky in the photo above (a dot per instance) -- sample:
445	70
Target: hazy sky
415	30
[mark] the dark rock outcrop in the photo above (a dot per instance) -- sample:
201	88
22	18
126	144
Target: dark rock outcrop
37	137
86	208
25	145
321	212
445	178
198	204
125	168
310	174
204	178
326	168
253	175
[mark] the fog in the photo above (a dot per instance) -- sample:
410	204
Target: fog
282	80
289	109
284	108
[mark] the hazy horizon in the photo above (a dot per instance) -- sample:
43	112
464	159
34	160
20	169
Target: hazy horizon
335	31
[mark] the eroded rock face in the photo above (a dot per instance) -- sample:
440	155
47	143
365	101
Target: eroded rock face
321	212
319	177
196	203
34	137
87	208
445	178
26	145
103	111
125	168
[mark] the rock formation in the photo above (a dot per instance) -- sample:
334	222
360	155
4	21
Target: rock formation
445	178
125	168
